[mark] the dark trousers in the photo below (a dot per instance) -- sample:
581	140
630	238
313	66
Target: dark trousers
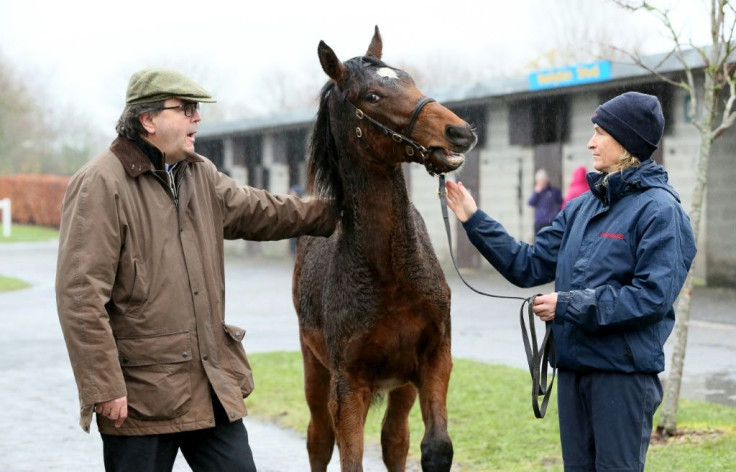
606	419
223	448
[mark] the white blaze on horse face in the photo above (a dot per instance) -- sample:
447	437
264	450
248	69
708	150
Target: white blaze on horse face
387	72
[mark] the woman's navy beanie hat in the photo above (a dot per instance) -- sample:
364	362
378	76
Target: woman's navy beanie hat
635	120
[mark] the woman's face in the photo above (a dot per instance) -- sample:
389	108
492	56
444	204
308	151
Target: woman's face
607	151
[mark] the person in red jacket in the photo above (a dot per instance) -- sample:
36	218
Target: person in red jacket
578	185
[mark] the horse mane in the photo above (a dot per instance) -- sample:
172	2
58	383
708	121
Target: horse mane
323	175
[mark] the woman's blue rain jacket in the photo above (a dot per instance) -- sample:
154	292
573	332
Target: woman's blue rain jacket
619	255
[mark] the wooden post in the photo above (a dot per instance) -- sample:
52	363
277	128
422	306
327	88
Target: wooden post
5	208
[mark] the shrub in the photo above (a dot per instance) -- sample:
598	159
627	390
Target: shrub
35	198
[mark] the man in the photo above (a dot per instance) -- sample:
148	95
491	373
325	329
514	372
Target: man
140	285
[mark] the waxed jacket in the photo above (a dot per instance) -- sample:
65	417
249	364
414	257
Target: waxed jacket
140	285
619	256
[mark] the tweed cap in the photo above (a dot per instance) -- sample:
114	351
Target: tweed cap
635	120
153	85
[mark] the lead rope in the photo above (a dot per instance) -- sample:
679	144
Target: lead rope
537	356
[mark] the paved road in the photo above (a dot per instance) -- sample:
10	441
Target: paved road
39	421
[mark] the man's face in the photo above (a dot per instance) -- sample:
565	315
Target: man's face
171	130
607	151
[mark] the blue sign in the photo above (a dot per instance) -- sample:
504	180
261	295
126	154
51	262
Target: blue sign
571	75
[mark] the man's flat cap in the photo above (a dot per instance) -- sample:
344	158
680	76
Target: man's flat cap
153	85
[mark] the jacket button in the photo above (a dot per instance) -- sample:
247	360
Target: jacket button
184	354
205	357
196	292
232	415
125	361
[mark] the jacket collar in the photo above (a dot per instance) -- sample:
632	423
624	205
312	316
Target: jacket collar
140	156
620	184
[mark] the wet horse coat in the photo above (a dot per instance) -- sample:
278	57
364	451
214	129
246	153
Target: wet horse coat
372	300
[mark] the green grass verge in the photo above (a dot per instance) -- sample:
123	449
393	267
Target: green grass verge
29	233
9	283
491	422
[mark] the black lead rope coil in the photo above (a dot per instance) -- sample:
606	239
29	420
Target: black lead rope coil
537	356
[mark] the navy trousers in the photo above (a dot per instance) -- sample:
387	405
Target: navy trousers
606	419
222	448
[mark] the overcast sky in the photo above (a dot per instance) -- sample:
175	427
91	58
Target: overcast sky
84	51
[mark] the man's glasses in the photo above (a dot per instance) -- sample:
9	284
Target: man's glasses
189	109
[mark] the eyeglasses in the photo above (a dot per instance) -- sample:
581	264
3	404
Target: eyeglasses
188	108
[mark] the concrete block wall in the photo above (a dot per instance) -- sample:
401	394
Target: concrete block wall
681	145
499	177
575	151
720	242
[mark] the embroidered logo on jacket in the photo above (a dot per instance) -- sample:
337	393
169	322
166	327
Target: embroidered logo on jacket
612	235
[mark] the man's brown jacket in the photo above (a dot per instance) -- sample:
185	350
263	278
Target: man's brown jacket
140	285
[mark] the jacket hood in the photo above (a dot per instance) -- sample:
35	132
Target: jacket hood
578	177
647	175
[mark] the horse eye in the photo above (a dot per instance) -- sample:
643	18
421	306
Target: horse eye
372	98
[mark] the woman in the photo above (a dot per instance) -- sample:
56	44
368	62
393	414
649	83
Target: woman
619	255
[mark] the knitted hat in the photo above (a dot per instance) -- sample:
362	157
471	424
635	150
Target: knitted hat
152	85
635	120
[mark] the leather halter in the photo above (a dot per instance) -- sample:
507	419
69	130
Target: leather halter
399	138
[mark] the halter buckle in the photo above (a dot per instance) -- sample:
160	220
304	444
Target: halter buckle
397	137
358	131
359	114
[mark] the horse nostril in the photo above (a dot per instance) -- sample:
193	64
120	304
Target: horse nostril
460	135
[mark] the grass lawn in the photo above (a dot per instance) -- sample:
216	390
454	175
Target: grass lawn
491	422
10	283
29	233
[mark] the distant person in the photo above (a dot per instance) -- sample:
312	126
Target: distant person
618	256
578	185
140	285
546	200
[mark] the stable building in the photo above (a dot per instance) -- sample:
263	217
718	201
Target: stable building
523	124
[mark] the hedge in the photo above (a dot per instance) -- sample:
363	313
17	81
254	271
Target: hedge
35	198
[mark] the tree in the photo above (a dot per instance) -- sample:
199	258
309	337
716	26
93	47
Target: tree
712	112
35	136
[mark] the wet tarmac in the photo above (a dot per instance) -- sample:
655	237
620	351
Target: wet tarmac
39	416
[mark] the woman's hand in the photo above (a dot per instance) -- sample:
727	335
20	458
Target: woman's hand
545	305
460	201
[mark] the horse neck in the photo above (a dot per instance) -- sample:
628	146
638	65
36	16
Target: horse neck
377	212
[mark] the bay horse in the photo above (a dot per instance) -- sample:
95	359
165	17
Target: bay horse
372	300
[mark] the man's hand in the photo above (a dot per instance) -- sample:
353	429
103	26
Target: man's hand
545	305
460	201
116	410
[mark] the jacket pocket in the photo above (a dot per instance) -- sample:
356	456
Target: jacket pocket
239	365
157	375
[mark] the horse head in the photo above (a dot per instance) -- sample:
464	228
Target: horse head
379	110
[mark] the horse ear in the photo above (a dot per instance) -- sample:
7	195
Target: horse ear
331	64
376	47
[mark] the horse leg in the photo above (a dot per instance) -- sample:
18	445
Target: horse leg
434	379
395	430
349	405
320	435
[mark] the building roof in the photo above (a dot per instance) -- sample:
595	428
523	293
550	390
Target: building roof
469	93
